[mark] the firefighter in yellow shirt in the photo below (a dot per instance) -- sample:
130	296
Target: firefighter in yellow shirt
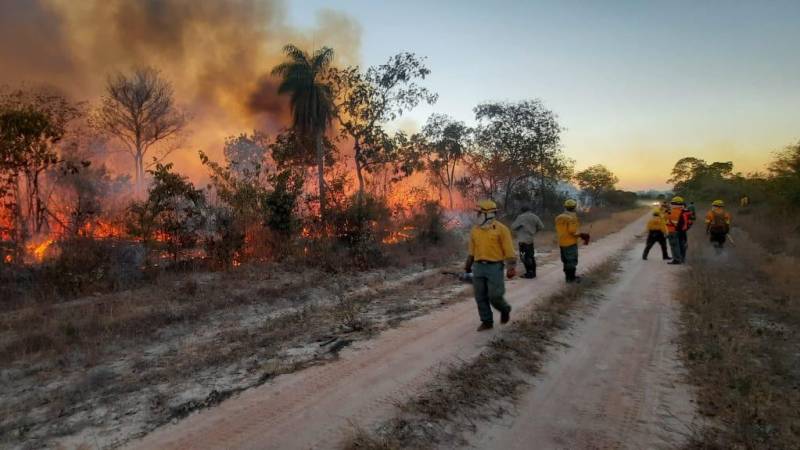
656	232
567	230
490	248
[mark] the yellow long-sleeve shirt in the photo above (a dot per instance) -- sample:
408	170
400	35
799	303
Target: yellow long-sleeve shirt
567	226
657	224
491	243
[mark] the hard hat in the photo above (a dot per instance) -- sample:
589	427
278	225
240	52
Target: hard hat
719	203
570	203
486	206
677	200
657	212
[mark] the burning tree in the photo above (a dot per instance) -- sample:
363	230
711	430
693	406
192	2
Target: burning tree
139	110
366	102
172	212
32	123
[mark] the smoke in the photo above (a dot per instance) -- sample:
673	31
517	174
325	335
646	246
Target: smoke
216	53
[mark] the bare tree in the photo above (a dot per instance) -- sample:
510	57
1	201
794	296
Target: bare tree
139	110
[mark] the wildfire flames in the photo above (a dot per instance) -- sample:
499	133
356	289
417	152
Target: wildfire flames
38	251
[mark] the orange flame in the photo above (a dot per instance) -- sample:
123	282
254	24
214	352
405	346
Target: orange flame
38	250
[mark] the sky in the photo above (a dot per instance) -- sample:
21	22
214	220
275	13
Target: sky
637	84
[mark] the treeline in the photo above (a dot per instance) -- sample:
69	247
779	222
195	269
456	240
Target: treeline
335	187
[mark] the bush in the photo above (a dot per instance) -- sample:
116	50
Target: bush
429	224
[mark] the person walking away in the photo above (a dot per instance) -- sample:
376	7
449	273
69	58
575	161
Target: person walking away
490	246
678	222
718	224
656	232
567	230
744	202
525	227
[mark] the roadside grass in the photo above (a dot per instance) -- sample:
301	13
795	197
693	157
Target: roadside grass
486	387
740	340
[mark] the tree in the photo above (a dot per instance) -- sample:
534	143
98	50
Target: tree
516	143
596	181
447	143
172	212
246	153
311	100
32	123
367	102
139	110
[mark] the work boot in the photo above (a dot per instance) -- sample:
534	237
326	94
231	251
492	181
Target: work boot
666	258
674	262
529	275
505	316
485	326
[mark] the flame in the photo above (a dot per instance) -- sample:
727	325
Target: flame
401	235
8	259
38	251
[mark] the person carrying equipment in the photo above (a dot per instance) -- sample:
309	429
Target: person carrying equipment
567	227
525	227
490	246
679	220
656	232
718	223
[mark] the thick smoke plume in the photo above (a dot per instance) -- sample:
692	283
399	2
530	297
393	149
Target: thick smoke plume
216	53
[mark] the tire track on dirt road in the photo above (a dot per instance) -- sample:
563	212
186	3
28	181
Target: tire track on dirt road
617	383
313	408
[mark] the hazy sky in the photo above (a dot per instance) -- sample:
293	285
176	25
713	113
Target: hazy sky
638	84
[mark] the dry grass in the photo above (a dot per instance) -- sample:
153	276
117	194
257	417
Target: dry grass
740	338
487	386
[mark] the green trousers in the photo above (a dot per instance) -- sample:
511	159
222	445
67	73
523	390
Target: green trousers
569	256
488	281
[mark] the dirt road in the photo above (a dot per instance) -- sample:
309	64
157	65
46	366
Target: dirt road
617	384
314	407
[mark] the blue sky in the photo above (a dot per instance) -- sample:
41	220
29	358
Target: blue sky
637	84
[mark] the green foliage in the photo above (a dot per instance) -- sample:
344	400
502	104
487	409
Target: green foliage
597	182
360	225
620	199
516	143
280	204
429	224
366	102
311	100
172	212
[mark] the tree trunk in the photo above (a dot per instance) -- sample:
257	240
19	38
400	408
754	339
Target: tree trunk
320	173
450	196
359	169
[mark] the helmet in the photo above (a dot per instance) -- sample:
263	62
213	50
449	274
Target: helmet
677	200
486	206
570	203
657	212
719	203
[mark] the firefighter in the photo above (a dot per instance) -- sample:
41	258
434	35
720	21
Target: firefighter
525	227
718	223
678	221
744	202
567	229
490	247
656	232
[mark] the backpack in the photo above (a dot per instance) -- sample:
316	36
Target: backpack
718	223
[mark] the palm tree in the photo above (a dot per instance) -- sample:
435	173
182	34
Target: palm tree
311	100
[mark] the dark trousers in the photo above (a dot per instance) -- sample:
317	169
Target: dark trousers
652	237
488	282
569	257
678	244
526	254
718	238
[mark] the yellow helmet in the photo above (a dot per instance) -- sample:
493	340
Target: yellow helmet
677	200
719	203
570	203
657	212
486	206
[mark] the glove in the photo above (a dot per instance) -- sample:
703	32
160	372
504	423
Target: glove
585	237
511	272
